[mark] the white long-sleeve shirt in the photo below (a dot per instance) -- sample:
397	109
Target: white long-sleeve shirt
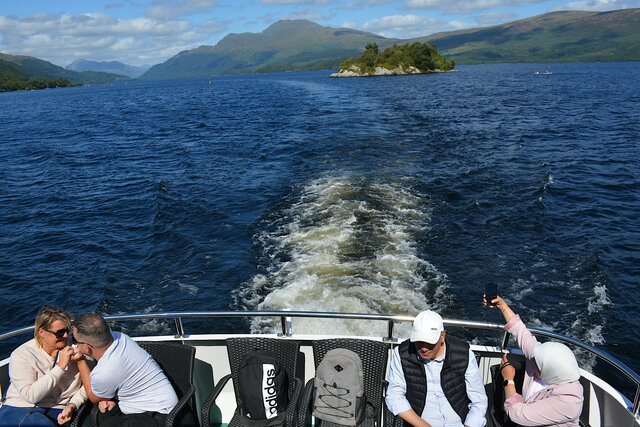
437	409
36	379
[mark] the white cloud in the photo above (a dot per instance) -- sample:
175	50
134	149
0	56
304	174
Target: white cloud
462	7
64	38
307	14
167	9
361	4
598	5
407	26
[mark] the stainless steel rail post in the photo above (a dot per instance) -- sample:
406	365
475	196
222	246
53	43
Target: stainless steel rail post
287	328
389	337
180	328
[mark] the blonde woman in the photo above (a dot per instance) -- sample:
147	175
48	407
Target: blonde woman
45	386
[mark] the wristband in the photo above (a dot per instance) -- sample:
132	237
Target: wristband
507	382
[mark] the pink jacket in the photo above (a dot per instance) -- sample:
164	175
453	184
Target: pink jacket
556	405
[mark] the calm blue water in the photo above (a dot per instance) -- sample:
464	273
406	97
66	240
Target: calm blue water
298	191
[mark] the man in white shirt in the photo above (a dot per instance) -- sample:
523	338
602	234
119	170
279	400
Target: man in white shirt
124	372
434	379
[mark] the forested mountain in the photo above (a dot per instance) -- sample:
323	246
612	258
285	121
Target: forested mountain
285	45
112	67
303	45
39	69
300	44
552	37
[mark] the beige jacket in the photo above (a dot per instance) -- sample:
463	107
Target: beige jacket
35	380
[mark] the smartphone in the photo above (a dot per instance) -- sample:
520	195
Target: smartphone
491	292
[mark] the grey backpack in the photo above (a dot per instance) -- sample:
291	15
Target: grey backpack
338	388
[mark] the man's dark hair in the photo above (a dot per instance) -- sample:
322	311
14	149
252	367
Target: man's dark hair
94	327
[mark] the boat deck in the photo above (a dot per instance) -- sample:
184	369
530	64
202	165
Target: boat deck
604	405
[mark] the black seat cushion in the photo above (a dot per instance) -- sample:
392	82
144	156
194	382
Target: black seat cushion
497	414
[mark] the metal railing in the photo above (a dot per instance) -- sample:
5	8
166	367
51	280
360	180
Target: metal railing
286	331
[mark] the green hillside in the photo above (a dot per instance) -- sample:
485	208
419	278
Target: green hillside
38	69
552	37
12	79
284	46
304	45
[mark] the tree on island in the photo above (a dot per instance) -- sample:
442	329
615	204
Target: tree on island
423	56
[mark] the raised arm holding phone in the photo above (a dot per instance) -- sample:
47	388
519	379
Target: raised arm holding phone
551	393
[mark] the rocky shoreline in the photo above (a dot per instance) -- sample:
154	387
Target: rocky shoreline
354	71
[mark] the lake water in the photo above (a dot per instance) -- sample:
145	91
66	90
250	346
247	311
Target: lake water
294	190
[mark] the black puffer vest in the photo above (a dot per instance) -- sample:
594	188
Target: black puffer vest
452	380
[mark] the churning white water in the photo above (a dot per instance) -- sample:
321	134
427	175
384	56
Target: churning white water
347	245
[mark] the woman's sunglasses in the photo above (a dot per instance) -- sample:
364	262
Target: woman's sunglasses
59	333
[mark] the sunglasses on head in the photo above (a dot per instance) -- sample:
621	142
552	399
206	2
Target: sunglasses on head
74	341
59	333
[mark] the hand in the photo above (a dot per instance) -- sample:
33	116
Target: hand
76	355
106	405
496	302
501	304
507	369
64	356
66	414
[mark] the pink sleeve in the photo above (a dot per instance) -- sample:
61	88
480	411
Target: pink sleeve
526	341
547	411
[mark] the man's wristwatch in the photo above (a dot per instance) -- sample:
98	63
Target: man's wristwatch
507	382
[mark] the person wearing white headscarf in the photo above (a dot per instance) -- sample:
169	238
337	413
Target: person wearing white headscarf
551	392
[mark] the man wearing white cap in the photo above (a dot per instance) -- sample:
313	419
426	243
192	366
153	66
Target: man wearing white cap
434	379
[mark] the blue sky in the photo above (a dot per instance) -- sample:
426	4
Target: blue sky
141	32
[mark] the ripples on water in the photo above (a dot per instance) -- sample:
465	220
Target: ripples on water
298	191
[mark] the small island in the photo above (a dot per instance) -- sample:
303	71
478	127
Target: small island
414	58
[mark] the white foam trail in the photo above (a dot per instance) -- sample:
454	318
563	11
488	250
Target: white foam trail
349	246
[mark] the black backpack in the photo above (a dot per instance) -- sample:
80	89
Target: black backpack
262	394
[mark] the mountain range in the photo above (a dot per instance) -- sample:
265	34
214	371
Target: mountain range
113	67
39	69
304	45
553	37
288	45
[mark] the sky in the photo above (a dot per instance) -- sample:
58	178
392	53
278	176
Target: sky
148	32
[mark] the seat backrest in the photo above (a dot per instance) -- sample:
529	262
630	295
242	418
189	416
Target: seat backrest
496	412
374	356
176	360
286	350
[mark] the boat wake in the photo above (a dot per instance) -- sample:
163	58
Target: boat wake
345	245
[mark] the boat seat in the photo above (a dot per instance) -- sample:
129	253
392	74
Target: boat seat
496	416
374	356
177	362
286	350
